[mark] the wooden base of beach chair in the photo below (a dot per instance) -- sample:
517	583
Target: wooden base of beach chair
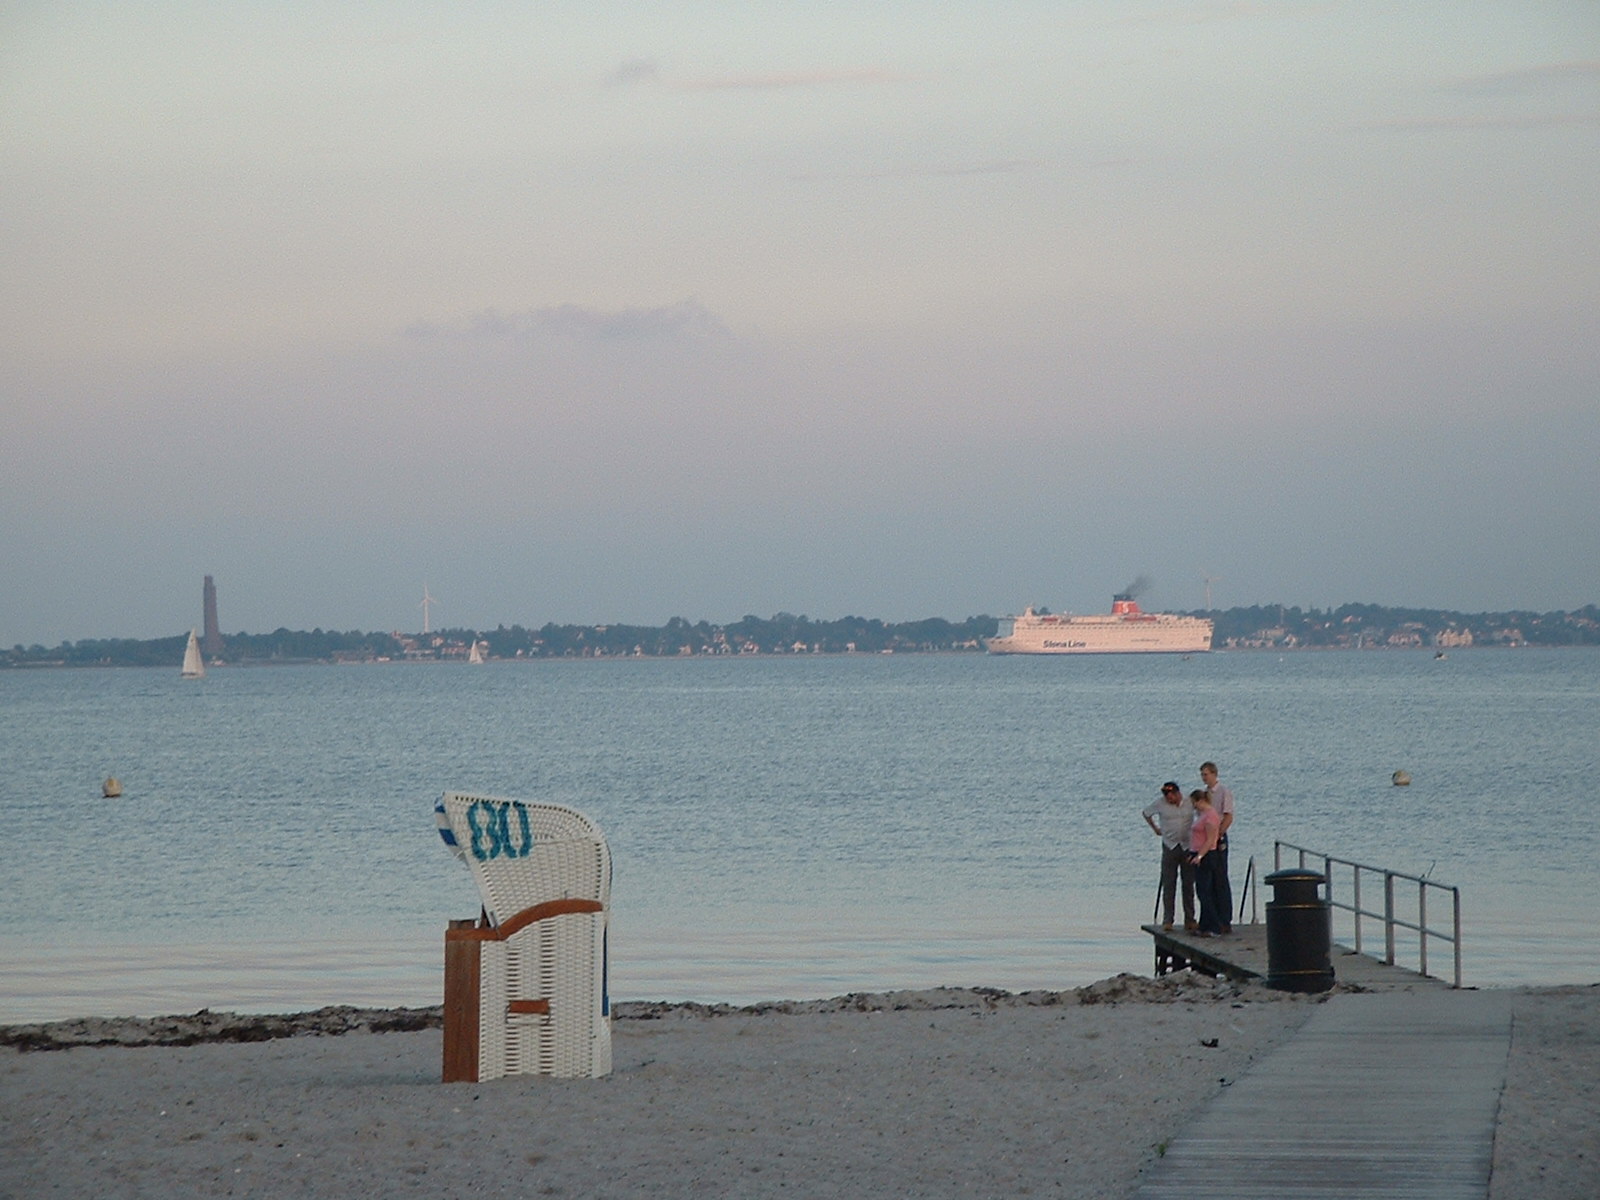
527	997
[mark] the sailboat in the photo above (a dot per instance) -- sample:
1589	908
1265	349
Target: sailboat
193	668
475	655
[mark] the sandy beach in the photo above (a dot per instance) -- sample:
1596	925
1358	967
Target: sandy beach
949	1092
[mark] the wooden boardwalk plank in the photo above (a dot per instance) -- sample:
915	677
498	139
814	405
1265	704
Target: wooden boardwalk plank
1388	1094
1242	955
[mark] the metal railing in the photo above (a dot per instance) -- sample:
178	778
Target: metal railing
1391	921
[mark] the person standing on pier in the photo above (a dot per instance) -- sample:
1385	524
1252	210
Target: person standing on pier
1222	801
1169	819
1203	835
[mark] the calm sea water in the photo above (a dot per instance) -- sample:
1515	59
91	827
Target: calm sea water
780	827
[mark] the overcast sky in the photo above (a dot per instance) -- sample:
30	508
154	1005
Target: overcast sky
614	312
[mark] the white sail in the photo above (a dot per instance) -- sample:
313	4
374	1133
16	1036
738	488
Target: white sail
475	655
193	668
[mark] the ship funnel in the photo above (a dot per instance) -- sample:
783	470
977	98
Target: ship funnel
1123	603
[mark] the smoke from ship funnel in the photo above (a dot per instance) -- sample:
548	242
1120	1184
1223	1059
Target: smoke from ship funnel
1140	584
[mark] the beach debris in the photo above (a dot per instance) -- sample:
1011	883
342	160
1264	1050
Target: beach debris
1401	778
111	788
207	1026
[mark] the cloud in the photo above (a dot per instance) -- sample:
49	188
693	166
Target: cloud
1204	14
634	71
1525	79
687	318
1547	82
959	171
1424	124
1009	167
787	80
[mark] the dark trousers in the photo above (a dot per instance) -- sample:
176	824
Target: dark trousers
1175	864
1208	893
1224	888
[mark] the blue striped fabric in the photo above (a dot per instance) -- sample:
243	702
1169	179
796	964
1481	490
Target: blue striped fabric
442	820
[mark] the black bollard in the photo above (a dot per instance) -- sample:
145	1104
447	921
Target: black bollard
1299	933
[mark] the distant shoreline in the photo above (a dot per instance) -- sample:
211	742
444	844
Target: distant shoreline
785	635
257	663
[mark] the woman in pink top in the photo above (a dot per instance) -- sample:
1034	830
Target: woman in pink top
1203	835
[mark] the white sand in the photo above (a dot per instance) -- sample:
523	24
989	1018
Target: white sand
941	1093
1547	1135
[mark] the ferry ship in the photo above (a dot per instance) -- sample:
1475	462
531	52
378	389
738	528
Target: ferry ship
1124	630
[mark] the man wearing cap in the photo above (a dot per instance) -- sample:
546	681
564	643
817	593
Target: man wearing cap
1222	800
1169	819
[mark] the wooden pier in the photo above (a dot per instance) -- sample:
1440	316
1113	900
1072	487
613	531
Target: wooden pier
1242	956
1387	1094
1379	920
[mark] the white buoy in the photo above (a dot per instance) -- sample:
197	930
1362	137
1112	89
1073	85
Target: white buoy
1402	779
111	789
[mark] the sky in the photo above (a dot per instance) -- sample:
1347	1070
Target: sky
615	312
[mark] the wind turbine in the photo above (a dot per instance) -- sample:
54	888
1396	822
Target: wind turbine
426	600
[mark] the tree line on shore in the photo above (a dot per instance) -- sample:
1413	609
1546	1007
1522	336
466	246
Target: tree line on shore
1351	626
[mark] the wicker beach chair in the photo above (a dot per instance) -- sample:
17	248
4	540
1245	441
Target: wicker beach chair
525	987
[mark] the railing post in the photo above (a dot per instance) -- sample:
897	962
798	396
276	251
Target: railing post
1422	923
1255	892
1355	881
1327	881
1388	917
1457	892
